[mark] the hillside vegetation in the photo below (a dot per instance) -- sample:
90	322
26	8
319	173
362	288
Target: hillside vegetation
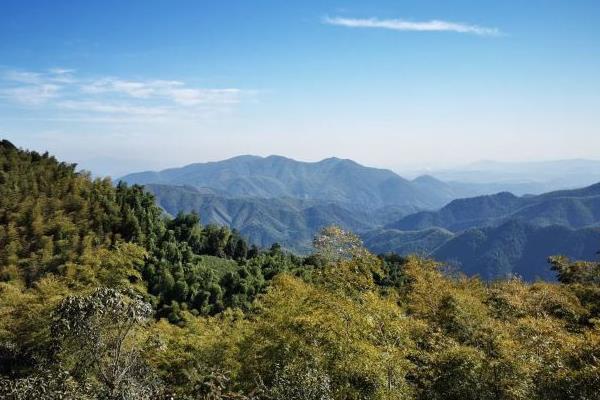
102	296
288	221
515	248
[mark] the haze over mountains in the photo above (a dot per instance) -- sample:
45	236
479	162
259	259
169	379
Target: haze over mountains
532	177
467	224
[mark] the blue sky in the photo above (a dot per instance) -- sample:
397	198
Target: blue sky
129	85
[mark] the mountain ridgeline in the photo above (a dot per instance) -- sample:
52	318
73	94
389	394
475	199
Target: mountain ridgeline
276	199
342	181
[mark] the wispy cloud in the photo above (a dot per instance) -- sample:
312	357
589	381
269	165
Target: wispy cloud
32	94
61	71
65	89
405	25
136	89
174	91
111	108
22	77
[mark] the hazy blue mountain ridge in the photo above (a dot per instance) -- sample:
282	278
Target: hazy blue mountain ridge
343	181
533	177
573	208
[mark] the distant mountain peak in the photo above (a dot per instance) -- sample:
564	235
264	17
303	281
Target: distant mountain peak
242	157
334	179
427	179
278	157
332	159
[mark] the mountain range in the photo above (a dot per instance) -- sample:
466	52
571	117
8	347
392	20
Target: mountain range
342	181
277	199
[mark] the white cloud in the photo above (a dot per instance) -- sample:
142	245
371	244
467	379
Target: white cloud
404	25
174	91
22	77
111	108
61	75
32	94
191	97
112	95
137	89
61	71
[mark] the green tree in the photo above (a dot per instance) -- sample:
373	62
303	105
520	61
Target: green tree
99	338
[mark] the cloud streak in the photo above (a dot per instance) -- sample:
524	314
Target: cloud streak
174	91
111	108
63	89
32	95
414	26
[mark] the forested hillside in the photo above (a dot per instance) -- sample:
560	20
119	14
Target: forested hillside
102	296
515	248
422	242
56	221
496	236
288	221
